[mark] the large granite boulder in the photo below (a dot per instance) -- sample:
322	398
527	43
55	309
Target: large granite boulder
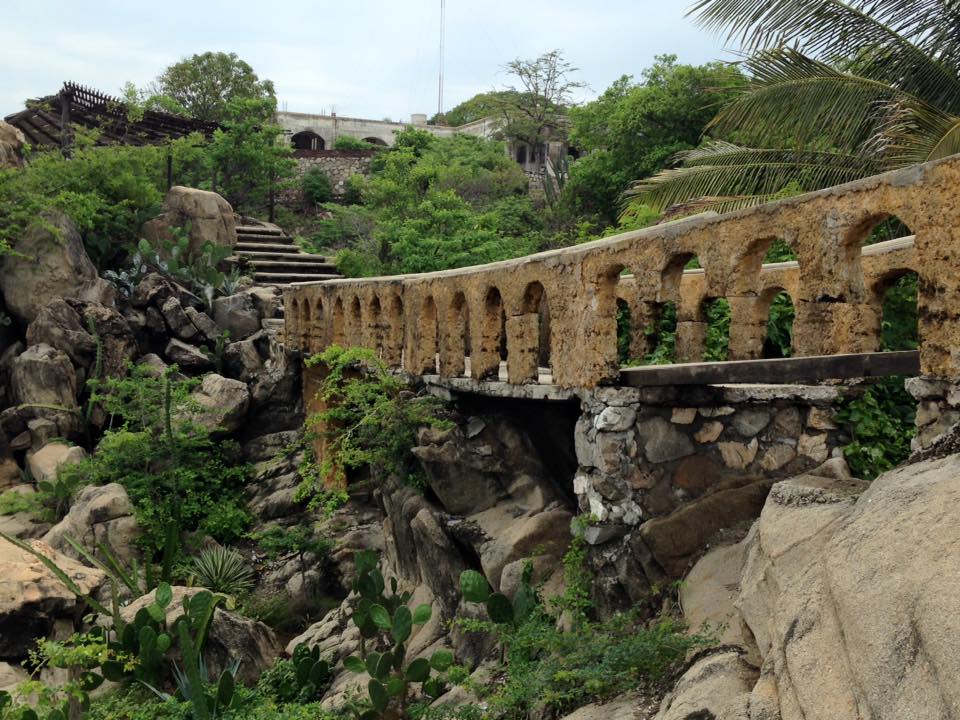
43	375
32	597
51	263
99	515
11	146
205	216
221	403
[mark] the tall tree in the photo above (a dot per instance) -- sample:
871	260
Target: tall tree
534	107
205	85
838	90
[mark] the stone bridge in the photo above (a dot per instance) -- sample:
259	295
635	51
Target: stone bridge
559	308
672	462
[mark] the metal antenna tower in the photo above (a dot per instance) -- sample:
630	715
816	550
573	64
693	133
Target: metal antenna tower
443	23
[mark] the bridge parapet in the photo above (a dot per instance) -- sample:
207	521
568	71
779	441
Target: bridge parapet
561	306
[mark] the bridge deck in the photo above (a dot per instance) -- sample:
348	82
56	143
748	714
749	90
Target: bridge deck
781	372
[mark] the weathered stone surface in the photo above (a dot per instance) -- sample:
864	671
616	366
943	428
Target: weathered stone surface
683	416
820	419
750	421
510	538
709	432
44	376
206	217
177	320
242	360
58	325
717	686
186	356
11	676
45	463
32	597
737	455
697	473
813	447
615	419
98	515
11	147
776	456
238	314
676	538
54	265
627	707
231	636
661	441
202	322
223	403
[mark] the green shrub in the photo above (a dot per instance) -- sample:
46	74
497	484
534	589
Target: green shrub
881	422
348	142
223	570
316	186
13	502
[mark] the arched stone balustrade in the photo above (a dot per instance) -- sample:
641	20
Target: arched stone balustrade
568	298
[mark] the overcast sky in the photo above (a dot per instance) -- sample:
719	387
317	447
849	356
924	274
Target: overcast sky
364	58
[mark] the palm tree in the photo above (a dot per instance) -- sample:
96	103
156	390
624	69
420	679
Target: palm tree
836	91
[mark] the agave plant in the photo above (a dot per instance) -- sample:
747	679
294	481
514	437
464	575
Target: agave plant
837	90
223	570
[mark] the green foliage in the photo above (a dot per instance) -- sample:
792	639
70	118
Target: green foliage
371	419
13	502
881	422
385	620
633	129
249	160
431	204
109	192
303	679
316	186
175	473
480	106
899	329
206	85
223	570
348	142
779	338
717	341
663	336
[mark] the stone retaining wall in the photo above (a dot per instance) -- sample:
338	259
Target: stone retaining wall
338	165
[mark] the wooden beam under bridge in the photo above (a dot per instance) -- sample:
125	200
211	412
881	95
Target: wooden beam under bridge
776	371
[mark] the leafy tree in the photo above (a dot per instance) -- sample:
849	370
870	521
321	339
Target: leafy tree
348	142
633	129
534	108
478	107
205	85
838	90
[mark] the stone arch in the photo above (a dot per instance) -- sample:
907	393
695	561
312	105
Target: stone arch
775	313
292	325
318	329
308	140
375	326
339	331
393	354
306	327
491	348
375	141
355	329
527	344
457	336
428	337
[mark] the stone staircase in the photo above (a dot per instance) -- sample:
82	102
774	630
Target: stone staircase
276	260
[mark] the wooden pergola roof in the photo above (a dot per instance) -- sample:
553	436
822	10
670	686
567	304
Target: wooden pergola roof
41	121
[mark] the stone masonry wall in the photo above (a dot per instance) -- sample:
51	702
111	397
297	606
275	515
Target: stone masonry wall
338	165
645	452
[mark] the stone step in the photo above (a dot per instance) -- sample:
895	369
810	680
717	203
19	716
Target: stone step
271	278
265	247
305	263
258	230
266	239
282	255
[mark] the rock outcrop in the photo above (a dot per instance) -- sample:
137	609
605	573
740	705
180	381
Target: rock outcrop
51	263
98	515
11	146
204	215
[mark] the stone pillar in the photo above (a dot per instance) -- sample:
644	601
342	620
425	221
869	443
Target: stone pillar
938	408
691	340
747	330
523	341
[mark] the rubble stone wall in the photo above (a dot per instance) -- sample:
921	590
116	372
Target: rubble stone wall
410	320
338	165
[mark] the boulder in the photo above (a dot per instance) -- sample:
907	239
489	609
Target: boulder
52	263
11	676
177	320
237	314
223	403
59	326
716	686
154	290
242	360
99	514
186	356
45	462
11	146
206	217
231	636
43	375
627	707
32	597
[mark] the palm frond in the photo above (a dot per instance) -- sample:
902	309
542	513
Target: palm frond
889	40
729	172
794	100
917	133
